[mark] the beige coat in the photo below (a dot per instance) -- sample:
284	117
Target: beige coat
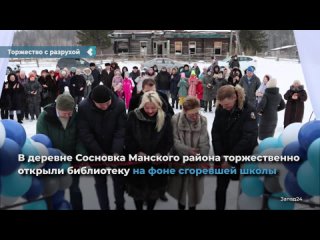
187	135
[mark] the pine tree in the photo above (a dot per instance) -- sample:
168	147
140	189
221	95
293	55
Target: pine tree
253	40
98	38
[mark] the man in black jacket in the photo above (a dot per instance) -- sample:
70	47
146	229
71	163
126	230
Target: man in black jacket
95	74
102	122
150	85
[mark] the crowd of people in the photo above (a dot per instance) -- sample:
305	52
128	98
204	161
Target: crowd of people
117	112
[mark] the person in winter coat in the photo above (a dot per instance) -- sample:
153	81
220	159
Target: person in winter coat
150	85
260	92
101	126
208	86
77	86
63	82
96	75
234	62
106	76
33	90
193	81
128	87
174	89
16	97
234	132
191	138
186	70
262	88
234	77
183	86
4	101
148	133
163	81
133	75
49	89
199	92
138	83
295	96
23	80
250	82
196	68
219	82
123	71
117	84
58	121
150	73
268	108
89	81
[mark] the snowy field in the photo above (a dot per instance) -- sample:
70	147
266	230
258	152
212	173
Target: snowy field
284	71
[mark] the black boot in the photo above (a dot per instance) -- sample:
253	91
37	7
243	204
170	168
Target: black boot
11	117
20	117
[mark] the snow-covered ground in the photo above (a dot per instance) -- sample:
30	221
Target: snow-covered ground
284	71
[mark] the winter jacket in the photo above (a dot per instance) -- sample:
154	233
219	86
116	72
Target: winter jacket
33	86
16	95
183	86
295	107
174	81
188	135
106	78
102	132
89	81
209	85
193	81
270	104
142	136
234	132
163	81
250	88
67	140
77	86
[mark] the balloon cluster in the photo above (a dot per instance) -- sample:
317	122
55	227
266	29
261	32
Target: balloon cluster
296	181
14	186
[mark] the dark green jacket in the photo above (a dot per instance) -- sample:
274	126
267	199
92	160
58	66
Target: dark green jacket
64	139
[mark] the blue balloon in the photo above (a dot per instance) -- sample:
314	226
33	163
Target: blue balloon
293	187
15	185
294	149
15	131
9	157
65	205
35	190
44	139
50	165
29	150
309	179
252	186
269	142
275	203
57	199
314	154
280	140
37	205
308	133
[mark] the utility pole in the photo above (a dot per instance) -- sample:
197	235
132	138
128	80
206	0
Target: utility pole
230	43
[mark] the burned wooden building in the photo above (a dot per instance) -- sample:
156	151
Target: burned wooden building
173	42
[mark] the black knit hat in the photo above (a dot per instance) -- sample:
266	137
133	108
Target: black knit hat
101	94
